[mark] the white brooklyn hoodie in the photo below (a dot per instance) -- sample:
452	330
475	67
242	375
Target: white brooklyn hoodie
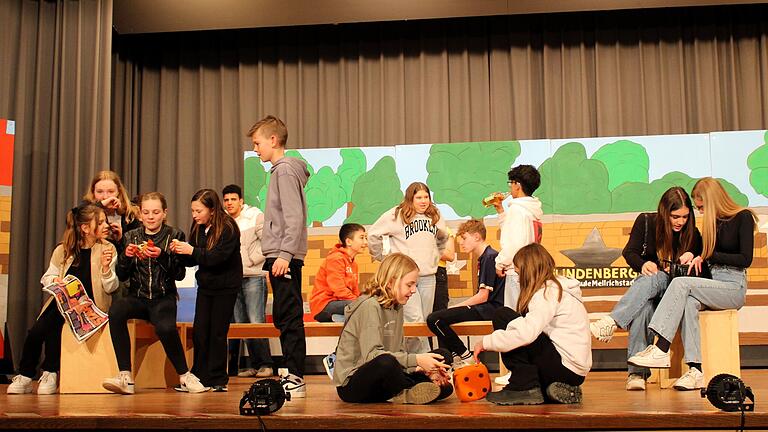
419	239
565	322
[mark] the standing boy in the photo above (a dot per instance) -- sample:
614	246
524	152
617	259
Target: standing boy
481	306
251	303
284	244
520	226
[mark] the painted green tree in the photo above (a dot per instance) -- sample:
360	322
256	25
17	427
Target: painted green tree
255	178
573	184
758	163
460	175
375	192
626	162
353	164
324	195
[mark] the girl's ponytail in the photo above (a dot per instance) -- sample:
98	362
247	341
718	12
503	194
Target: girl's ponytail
72	239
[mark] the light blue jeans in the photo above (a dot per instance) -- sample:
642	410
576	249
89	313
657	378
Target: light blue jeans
250	307
634	310
686	296
417	309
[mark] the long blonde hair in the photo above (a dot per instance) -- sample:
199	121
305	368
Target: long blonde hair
536	267
717	205
127	209
382	285
406	211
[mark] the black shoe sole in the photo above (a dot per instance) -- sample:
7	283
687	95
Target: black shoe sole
564	393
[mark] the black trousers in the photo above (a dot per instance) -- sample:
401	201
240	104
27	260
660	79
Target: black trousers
381	379
441	290
535	365
288	315
440	324
161	313
212	316
45	331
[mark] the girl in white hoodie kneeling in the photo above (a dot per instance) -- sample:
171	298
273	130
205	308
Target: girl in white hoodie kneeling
546	343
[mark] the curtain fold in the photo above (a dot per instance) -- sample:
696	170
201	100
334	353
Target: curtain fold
55	83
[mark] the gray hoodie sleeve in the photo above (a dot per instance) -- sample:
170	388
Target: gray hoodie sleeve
383	226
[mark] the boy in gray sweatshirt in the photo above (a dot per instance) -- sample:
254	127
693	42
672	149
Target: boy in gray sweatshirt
284	244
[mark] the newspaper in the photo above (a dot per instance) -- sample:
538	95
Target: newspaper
78	310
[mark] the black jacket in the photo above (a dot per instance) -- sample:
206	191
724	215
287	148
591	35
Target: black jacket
220	270
641	246
152	277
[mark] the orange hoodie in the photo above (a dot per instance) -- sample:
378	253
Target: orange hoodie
337	279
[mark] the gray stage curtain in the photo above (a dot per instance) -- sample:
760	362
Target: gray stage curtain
55	83
183	101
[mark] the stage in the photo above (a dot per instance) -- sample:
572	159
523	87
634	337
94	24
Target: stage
606	406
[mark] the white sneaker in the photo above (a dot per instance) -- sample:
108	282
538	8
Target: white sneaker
294	385
459	361
691	380
650	357
329	363
20	385
603	328
121	384
635	382
189	383
264	372
503	380
48	383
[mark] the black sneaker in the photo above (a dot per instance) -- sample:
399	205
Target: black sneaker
564	393
219	388
445	391
516	397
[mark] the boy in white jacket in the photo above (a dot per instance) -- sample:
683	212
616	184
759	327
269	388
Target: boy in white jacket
547	345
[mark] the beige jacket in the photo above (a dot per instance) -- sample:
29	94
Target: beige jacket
104	284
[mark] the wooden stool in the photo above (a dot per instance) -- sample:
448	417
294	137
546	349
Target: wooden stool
719	348
84	365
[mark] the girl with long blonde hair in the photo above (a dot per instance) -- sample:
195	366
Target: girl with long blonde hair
107	191
415	228
728	241
545	344
371	362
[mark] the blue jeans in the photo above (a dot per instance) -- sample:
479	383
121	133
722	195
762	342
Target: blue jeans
686	296
634	310
417	309
250	307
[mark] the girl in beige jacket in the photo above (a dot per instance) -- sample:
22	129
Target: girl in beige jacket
85	253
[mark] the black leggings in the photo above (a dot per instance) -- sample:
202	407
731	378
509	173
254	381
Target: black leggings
440	324
381	379
161	313
535	365
46	331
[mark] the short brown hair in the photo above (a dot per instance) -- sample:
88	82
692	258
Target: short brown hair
268	126
472	226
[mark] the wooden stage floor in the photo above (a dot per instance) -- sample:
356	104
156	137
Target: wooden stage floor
607	406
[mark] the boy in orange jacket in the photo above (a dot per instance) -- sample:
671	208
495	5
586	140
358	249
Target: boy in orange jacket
336	283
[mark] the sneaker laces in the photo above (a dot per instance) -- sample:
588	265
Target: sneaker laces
18	378
47	378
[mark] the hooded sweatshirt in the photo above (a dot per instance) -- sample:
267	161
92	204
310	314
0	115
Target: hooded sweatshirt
285	217
337	279
251	224
369	332
420	239
517	228
565	322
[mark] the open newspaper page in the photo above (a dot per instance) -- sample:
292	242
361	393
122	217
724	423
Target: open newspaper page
79	311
